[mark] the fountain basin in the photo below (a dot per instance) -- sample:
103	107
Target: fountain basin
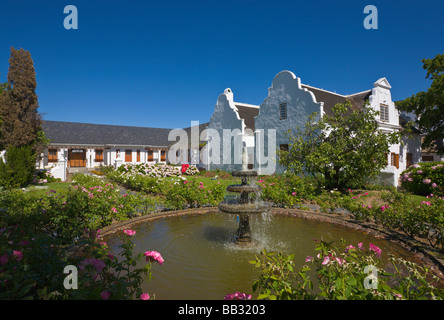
245	208
203	262
250	188
244	173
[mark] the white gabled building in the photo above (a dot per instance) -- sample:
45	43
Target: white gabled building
85	145
288	105
233	125
230	128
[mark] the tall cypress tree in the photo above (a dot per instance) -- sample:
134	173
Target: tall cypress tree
2	87
20	120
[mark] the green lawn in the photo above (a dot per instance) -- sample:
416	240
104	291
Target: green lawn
41	190
209	181
418	199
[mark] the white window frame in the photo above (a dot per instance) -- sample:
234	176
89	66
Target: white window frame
282	109
384	112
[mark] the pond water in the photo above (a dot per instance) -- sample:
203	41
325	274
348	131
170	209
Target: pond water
202	261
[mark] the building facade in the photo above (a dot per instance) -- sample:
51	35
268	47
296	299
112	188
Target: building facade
233	127
84	145
288	105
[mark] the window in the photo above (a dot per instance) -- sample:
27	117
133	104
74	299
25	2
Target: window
138	155
162	155
150	155
117	153
395	159
99	155
384	112
128	155
283	111
52	155
427	158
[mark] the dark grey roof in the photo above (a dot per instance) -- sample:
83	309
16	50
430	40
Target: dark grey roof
59	132
330	99
202	127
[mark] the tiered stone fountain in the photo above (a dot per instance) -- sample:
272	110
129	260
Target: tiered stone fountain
245	205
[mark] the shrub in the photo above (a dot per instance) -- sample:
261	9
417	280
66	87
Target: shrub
184	193
347	273
44	176
19	166
287	190
66	216
424	178
32	267
158	170
403	212
106	169
219	174
138	182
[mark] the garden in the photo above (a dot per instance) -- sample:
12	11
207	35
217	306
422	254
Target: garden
46	227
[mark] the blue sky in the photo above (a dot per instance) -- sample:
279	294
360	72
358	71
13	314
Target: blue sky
164	63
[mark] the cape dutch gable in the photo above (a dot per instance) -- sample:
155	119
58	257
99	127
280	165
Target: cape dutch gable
288	105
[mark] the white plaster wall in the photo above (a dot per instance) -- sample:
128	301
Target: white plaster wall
224	120
381	94
285	88
59	171
410	144
413	145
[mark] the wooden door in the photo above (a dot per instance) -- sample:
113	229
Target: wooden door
77	158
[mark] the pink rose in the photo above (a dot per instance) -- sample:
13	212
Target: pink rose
105	295
18	255
144	296
129	232
326	260
375	249
154	256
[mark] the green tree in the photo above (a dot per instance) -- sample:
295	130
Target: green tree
21	122
428	106
2	87
19	166
343	150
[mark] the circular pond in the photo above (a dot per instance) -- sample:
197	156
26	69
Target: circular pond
202	260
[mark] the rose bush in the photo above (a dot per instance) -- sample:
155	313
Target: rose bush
287	190
32	267
184	193
156	170
351	272
424	178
